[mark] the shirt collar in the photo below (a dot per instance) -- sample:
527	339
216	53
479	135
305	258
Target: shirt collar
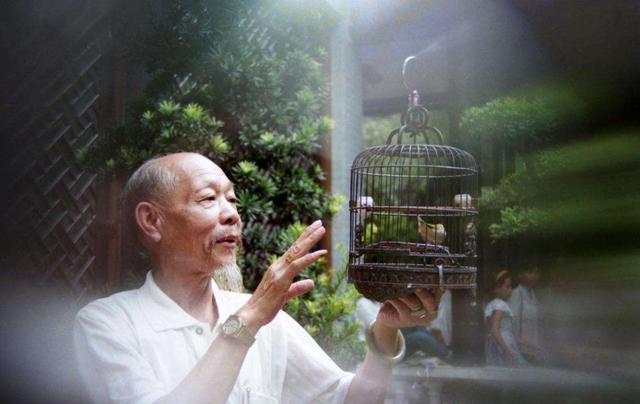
165	314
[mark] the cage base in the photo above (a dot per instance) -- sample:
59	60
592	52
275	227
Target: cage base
381	282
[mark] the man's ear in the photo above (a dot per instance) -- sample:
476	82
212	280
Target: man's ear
149	219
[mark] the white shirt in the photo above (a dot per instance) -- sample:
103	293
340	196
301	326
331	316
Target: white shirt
443	321
524	306
136	346
496	304
366	311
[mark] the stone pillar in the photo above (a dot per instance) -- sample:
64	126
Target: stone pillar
346	112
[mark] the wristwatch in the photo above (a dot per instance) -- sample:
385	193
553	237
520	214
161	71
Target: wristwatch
234	328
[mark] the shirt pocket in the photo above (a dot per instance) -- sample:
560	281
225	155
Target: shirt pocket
254	396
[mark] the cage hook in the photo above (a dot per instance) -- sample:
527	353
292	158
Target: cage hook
404	72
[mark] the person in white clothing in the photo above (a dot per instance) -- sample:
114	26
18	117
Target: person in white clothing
180	339
441	327
524	306
501	347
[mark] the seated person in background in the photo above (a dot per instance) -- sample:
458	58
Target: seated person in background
433	340
501	345
181	339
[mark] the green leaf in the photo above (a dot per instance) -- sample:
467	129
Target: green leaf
267	138
168	108
148	116
247	167
193	113
219	145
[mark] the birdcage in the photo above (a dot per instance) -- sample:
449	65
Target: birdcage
412	213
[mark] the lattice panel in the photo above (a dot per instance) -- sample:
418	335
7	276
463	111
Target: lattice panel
54	199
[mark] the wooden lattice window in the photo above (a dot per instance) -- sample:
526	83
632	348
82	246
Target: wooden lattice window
54	90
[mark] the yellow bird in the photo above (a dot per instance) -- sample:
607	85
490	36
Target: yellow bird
431	233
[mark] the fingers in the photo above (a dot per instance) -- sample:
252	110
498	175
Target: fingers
276	286
401	308
428	300
296	258
404	316
422	300
306	241
412	302
309	237
418	309
310	229
293	268
307	260
299	288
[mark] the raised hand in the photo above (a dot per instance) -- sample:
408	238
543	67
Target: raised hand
277	286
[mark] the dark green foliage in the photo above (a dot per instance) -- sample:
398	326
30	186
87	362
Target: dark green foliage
169	127
242	83
573	190
530	119
582	193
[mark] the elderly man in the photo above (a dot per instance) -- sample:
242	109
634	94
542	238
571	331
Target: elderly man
181	339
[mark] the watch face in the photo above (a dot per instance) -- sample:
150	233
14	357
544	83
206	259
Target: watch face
231	326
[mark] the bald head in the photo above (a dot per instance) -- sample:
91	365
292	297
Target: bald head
154	181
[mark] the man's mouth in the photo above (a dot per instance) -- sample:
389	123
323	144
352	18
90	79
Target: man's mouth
229	241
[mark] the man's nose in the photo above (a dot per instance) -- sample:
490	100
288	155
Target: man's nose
229	214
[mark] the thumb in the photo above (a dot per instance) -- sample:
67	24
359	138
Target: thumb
299	288
388	312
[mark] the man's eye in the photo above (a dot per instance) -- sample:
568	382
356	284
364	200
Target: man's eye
233	199
210	198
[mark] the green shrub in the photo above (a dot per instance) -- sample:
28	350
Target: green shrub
527	120
583	192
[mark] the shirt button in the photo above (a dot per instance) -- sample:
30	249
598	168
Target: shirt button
199	331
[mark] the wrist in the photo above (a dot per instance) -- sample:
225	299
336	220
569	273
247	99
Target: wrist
250	321
385	337
389	353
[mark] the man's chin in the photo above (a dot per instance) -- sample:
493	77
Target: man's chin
229	277
220	255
